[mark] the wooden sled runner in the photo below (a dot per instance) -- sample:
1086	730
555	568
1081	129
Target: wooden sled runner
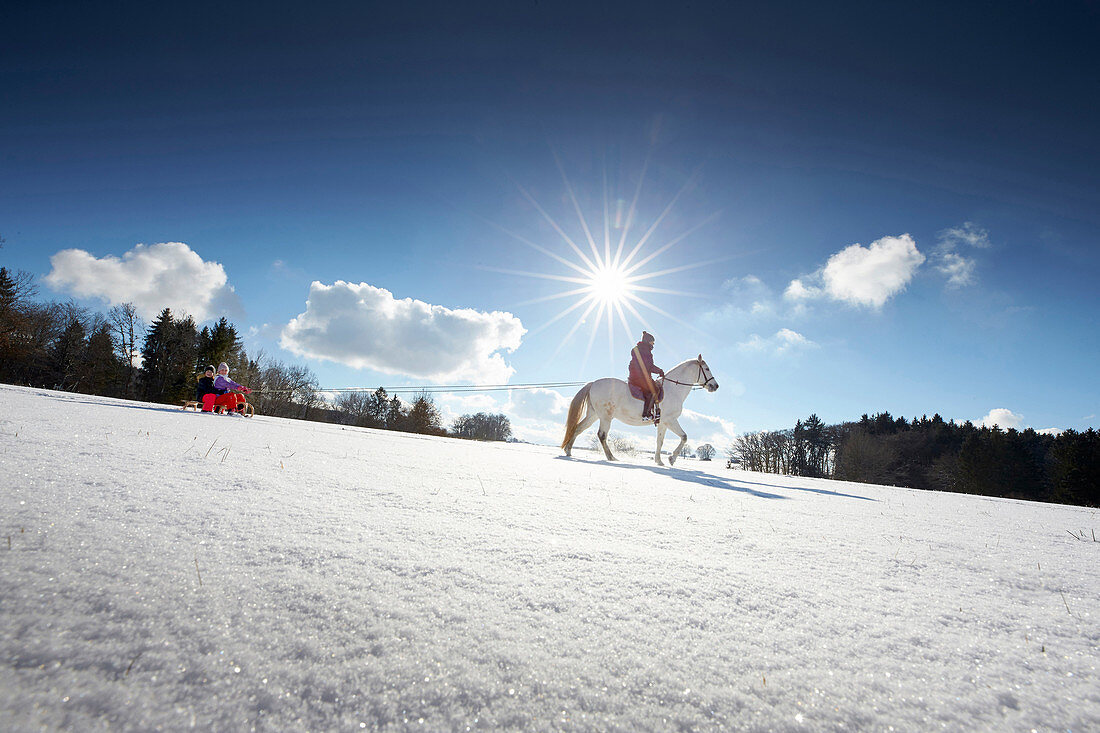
249	410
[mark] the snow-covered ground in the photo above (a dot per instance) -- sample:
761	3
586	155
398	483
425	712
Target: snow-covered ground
174	570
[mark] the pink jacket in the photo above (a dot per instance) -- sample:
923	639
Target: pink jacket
225	384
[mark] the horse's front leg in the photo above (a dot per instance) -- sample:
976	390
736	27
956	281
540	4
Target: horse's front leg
674	426
660	439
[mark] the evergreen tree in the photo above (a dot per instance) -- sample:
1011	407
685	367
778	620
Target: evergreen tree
155	368
219	343
16	342
1073	468
183	352
103	373
168	359
395	414
798	449
424	416
376	409
66	357
817	448
7	291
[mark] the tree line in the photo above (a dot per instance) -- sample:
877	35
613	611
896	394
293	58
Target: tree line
64	346
381	410
931	453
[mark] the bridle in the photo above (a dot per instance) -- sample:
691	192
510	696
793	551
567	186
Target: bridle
702	373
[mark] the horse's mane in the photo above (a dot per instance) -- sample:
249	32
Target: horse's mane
685	362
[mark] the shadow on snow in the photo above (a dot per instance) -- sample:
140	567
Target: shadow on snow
726	484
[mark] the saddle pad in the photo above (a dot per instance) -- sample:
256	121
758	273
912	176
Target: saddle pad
636	392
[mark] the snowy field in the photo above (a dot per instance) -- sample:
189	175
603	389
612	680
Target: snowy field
171	570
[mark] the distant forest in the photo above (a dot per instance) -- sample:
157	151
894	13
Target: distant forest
929	453
66	347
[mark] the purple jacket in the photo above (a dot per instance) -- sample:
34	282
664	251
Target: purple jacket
641	364
224	383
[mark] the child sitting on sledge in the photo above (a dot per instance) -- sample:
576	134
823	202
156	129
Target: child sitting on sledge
205	391
229	391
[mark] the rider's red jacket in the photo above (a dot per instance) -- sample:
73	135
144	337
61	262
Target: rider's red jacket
641	365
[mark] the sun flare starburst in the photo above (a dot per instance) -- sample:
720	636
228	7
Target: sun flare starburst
609	284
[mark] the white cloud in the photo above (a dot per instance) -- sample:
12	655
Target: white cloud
968	233
784	341
543	432
536	415
462	404
702	428
753	343
959	269
866	276
798	290
747	298
365	327
1002	418
152	277
453	405
872	275
746	289
538	403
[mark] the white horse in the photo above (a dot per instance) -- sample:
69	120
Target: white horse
610	399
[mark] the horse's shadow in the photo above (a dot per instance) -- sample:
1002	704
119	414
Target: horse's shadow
726	484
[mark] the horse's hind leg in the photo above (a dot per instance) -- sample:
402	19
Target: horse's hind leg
583	425
605	425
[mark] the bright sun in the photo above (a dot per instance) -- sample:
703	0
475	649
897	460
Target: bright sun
610	285
609	281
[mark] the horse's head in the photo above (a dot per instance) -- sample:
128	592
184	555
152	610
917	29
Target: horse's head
707	379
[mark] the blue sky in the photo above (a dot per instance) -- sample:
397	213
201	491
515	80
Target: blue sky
885	208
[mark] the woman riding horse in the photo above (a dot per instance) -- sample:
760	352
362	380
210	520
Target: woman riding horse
641	369
610	399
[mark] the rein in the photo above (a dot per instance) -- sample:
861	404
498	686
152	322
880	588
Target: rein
690	384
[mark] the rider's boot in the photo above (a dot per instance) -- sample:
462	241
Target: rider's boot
647	409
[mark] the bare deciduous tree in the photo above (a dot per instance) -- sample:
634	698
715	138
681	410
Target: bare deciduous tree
125	325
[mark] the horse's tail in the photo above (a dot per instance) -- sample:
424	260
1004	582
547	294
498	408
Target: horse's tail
574	417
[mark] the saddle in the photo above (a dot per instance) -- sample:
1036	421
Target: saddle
637	393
